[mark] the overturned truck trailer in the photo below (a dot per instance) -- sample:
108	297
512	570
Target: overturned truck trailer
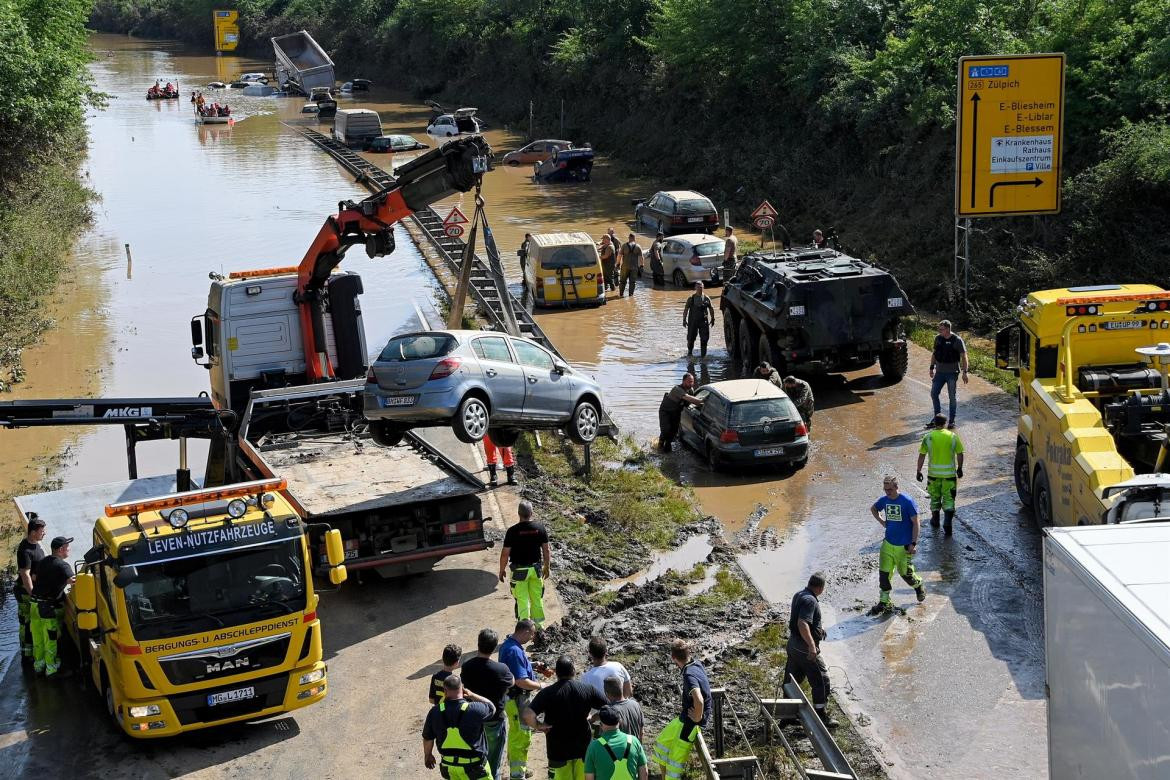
301	64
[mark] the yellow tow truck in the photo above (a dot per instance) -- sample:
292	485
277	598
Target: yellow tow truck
193	606
1094	411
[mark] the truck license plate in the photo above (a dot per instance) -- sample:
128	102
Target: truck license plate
694	219
398	400
769	452
226	697
1123	324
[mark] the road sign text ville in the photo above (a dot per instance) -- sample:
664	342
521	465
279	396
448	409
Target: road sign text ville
1009	135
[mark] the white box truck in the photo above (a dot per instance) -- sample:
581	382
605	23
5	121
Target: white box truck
356	127
1107	646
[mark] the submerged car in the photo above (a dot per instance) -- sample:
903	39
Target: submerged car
564	269
455	123
743	422
683	266
477	381
565	165
536	152
677	211
394	143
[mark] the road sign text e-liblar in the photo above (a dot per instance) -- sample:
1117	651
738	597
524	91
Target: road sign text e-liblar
1009	135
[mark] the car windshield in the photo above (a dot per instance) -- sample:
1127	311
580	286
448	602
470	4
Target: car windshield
761	411
699	206
417	346
712	248
570	257
205	592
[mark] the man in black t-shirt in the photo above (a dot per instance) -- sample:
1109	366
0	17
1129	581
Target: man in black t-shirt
565	705
805	633
28	555
527	553
671	409
456	724
53	575
491	680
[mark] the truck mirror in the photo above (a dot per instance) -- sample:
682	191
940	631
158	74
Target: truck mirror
87	621
334	547
1007	348
197	331
95	554
338	574
85	592
126	576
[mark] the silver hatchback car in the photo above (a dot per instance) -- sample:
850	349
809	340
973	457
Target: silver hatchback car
478	382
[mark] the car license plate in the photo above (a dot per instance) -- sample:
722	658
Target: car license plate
769	452
398	400
694	219
226	697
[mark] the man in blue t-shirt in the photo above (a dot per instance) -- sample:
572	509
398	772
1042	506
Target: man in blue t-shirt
898	514
513	656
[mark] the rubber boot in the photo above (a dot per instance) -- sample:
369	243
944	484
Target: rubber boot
511	470
934	519
492	475
829	721
948	522
920	592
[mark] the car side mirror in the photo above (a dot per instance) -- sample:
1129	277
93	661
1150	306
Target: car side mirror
560	368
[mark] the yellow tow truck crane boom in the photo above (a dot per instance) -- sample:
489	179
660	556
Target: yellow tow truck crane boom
1094	406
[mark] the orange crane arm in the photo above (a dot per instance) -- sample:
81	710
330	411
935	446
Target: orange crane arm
457	166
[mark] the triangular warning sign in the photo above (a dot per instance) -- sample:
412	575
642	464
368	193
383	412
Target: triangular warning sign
765	209
455	217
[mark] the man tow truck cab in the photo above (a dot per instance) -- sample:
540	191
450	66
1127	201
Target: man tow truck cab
196	608
1094	406
564	269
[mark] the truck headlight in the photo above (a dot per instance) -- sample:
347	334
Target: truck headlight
894	303
795	311
145	712
312	677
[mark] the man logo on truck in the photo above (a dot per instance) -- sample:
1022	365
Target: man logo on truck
239	663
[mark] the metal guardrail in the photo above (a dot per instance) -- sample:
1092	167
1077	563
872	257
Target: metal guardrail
450	249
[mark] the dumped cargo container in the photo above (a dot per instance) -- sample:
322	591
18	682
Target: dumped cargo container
301	64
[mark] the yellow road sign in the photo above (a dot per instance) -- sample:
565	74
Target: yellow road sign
1010	134
227	31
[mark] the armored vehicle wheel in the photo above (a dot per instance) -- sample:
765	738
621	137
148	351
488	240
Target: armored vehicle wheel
768	352
894	361
1023	484
680	279
731	333
748	359
1041	500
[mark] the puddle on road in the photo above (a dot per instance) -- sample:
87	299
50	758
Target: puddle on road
682	559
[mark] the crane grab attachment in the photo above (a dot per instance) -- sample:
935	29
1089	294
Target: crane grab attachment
456	166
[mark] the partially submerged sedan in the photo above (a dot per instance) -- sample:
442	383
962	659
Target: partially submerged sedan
693	257
477	381
744	422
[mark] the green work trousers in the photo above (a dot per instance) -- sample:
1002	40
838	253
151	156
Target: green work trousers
673	748
528	590
519	738
891	558
480	772
628	278
942	493
45	631
573	769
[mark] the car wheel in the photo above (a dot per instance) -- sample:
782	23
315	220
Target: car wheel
471	420
504	437
747	349
731	333
386	434
1041	500
585	423
680	279
1021	469
514	163
713	457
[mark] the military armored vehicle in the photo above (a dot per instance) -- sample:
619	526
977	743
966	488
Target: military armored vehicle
814	311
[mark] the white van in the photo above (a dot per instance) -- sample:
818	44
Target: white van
355	127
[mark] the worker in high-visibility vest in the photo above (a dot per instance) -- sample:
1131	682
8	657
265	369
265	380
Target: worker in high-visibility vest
526	552
456	723
942	449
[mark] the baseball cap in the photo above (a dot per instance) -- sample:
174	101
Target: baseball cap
60	541
608	716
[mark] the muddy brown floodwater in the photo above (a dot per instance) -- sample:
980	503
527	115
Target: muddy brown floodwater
954	688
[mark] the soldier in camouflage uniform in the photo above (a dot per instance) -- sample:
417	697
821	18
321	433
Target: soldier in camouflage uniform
802	395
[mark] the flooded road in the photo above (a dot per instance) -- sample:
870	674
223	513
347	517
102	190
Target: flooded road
952	689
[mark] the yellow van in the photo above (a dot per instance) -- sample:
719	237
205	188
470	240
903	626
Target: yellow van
564	269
